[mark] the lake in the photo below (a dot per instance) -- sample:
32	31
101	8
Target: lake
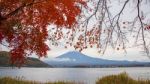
86	75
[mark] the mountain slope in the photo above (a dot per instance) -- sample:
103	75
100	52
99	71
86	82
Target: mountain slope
30	62
77	59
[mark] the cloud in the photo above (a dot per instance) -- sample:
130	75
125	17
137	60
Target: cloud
62	59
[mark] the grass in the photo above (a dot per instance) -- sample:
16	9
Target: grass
9	80
122	78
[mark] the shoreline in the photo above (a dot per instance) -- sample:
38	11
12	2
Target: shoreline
122	78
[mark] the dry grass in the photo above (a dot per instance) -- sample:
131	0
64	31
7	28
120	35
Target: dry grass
122	78
8	80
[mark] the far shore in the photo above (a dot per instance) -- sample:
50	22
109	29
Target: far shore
78	67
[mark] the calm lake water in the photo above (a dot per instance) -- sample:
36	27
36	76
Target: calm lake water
86	75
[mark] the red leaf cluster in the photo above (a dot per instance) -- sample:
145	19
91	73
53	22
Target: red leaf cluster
23	24
147	28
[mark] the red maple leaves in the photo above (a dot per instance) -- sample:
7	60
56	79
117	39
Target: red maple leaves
23	24
147	27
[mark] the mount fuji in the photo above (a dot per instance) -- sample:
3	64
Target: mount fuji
77	59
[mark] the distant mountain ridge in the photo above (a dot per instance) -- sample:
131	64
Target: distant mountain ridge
29	62
77	59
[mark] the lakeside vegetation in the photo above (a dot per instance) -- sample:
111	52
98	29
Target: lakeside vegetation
9	80
122	78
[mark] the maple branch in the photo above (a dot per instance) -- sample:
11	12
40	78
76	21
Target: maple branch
113	27
18	9
142	28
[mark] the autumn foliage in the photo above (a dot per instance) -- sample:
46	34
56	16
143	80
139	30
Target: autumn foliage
23	24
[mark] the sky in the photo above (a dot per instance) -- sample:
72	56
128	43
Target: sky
133	53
